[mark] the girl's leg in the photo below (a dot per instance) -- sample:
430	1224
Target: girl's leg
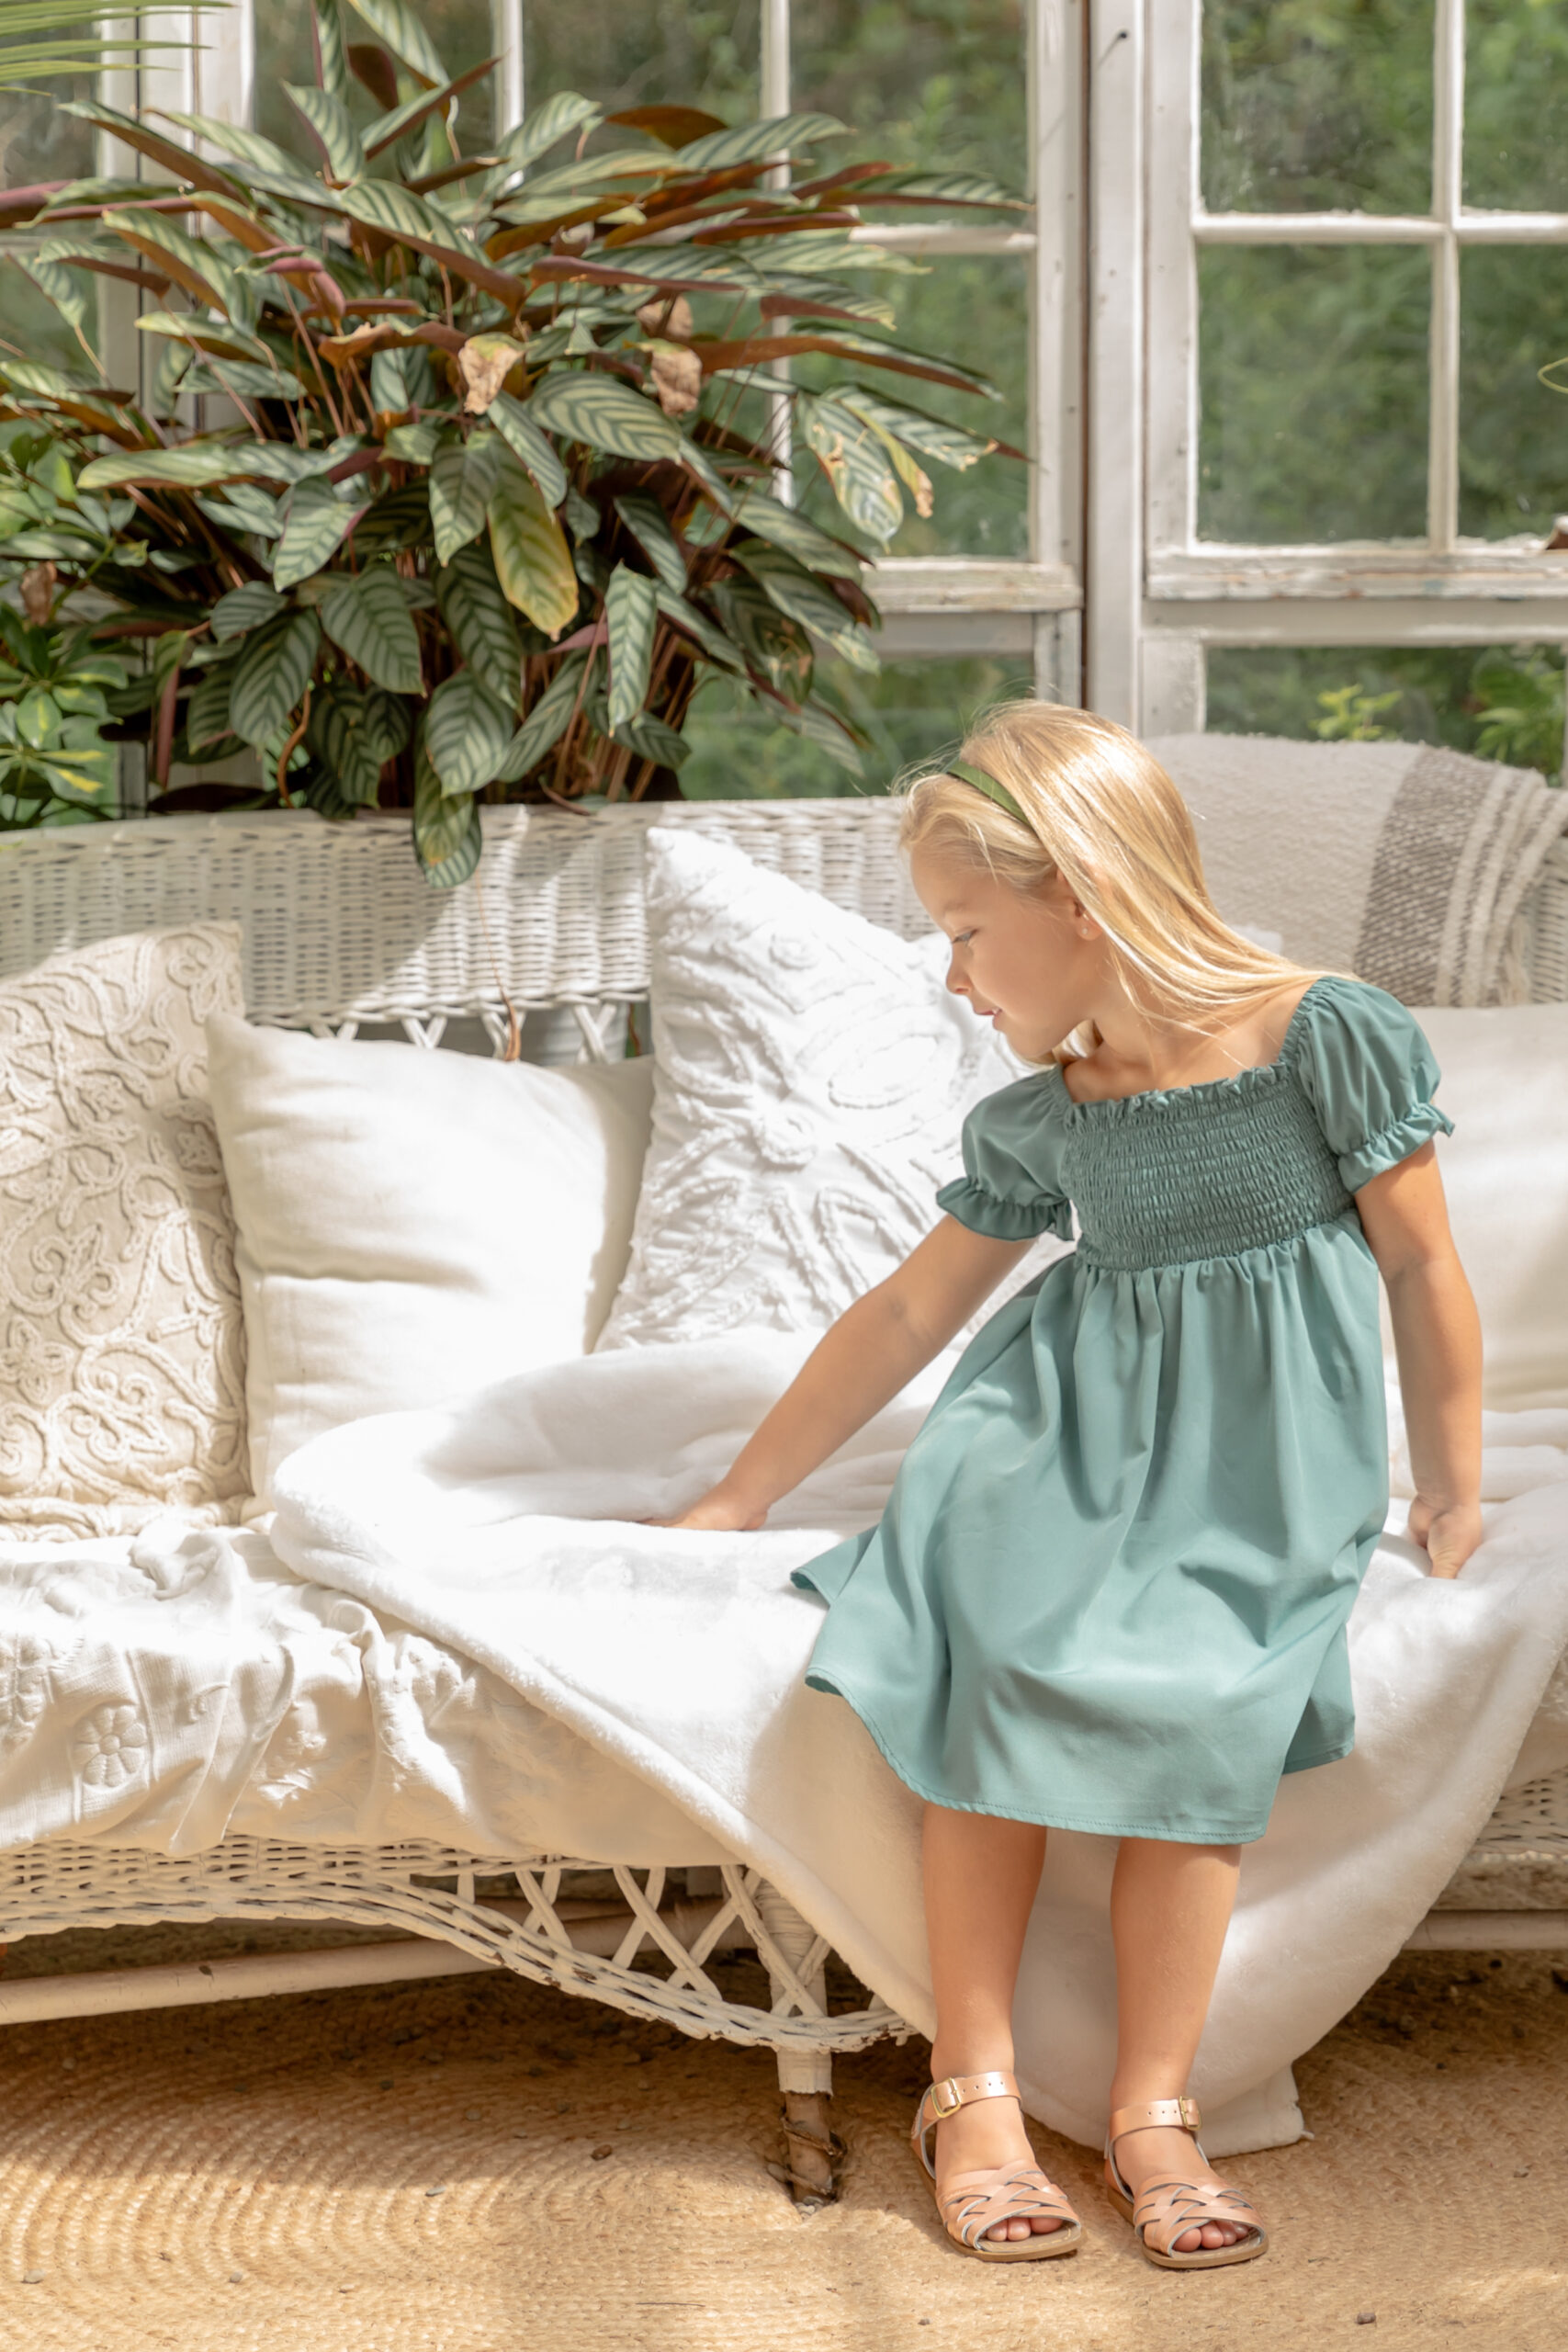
1170	1905
980	1878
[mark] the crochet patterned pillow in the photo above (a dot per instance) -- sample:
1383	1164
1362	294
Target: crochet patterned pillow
811	1078
121	1352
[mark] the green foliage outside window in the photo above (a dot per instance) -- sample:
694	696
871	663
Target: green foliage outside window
1504	703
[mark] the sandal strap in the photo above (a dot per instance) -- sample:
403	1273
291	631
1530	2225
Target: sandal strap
1024	2194
1156	2114
1168	2209
944	2099
962	2090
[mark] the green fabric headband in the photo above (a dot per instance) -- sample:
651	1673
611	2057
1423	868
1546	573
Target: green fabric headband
990	787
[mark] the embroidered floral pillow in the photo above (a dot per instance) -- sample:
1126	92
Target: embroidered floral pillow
121	1350
811	1077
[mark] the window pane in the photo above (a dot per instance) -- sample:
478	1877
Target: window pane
461	30
1513	431
37	141
973	311
40	144
645	52
1309	108
937	83
1502	702
1313	386
31	328
912	710
284	54
1515	105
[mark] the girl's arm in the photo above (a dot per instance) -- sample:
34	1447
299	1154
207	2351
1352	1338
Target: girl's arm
872	1350
1437	1336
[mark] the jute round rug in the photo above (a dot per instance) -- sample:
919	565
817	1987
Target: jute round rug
476	2165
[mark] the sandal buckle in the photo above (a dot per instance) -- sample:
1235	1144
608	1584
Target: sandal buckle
1191	2118
948	2083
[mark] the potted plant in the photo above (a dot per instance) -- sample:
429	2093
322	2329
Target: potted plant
458	476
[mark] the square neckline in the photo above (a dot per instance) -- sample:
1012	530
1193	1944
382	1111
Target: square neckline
1236	1079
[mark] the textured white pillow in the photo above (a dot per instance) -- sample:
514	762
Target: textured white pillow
121	1365
811	1078
413	1224
1505	1167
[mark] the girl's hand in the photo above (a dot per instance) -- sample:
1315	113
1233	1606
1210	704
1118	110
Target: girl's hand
1450	1533
719	1508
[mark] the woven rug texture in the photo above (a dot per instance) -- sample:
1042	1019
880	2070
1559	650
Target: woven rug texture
482	2166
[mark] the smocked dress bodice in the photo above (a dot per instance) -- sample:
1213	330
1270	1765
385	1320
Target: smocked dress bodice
1109	1589
1181	1173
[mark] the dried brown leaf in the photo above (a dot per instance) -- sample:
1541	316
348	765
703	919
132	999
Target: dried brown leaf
677	379
484	363
669	316
38	585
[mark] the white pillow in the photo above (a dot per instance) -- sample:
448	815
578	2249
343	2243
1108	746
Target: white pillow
121	1372
413	1224
811	1078
1505	1167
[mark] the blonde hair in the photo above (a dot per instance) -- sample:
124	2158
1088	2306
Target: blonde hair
1101	812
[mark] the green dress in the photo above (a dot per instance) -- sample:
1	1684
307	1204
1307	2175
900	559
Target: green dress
1110	1587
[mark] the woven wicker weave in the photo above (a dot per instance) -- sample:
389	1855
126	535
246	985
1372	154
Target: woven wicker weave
340	929
340	925
542	1916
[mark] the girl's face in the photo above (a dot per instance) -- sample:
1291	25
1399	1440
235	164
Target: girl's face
1031	963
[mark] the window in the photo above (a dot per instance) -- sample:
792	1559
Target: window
1272	332
1354	274
990	584
988	84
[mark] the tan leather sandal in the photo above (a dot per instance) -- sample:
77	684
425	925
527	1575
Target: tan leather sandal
1167	2210
976	2202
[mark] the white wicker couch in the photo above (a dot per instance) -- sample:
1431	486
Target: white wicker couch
341	933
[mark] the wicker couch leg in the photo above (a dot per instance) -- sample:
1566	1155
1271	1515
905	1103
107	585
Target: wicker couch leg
806	2076
811	2145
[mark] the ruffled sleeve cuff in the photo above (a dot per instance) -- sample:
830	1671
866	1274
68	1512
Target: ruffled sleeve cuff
983	1211
1381	1153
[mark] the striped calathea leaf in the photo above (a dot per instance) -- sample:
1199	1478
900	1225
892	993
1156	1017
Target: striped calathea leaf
477	489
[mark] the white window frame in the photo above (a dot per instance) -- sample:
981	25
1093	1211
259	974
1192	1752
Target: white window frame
1442	590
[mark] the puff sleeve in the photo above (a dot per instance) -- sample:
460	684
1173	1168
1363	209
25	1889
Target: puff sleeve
1011	1153
1370	1075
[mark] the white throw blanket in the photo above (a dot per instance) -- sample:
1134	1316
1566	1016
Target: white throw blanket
679	1656
460	1654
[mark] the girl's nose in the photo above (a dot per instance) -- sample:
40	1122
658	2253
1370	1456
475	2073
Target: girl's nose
955	982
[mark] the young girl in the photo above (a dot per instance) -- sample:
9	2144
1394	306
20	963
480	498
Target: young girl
1110	1588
